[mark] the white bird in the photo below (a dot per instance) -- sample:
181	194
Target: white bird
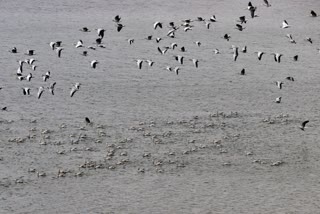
198	43
79	44
179	58
278	100
130	41
101	32
51	88
207	25
235	53
94	64
31	61
29	77
285	24
163	51
157	24
195	62
21	78
187	29
216	51
168	68
174	45
150	62
73	91
77	85
213	18
279	84
291	39
59	51
139	63
26	91
277	57
52	45
40	91
19	71
260	53
34	67
46	76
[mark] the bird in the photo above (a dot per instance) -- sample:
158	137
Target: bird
291	39
149	37
26	91
158	40
14	50
183	49
226	37
40	91
198	43
4	108
98	41
45	77
94	64
295	58
117	18
176	70
290	78
85	53
309	39
168	68
30	52
130	41
157	24
252	11
244	49
239	27
173	45
303	125
278	100
52	45
260	53
21	78
100	32
213	18
119	27
150	62
200	19
59	51
139	63
313	14
187	29
285	24
29	77
84	29
235	53
207	25
87	120
266	3
216	51
242	19
162	51
195	62
58	43
277	57
179	58
242	72
279	84
51	87
20	70
74	89
79	44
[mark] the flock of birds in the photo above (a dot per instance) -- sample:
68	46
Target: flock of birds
186	25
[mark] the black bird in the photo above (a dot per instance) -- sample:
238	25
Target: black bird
58	43
157	24
149	37
30	52
309	39
183	49
119	27
242	19
4	108
243	72
226	37
84	53
213	18
266	3
303	125
84	29
290	78
101	32
313	14
87	120
98	41
26	91
239	27
117	19
14	50
295	58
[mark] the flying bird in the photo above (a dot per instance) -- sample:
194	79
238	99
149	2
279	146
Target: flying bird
150	62
117	19
163	51
285	24
260	53
52	45
100	32
94	64
130	41
139	63
59	50
157	24
290	78
119	27
195	62
79	44
40	91
179	58
26	91
291	39
242	19
303	125
277	57
266	3
279	84
239	27
176	70
198	43
213	18
226	37
308	39
84	29
29	77
73	91
278	100
51	88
